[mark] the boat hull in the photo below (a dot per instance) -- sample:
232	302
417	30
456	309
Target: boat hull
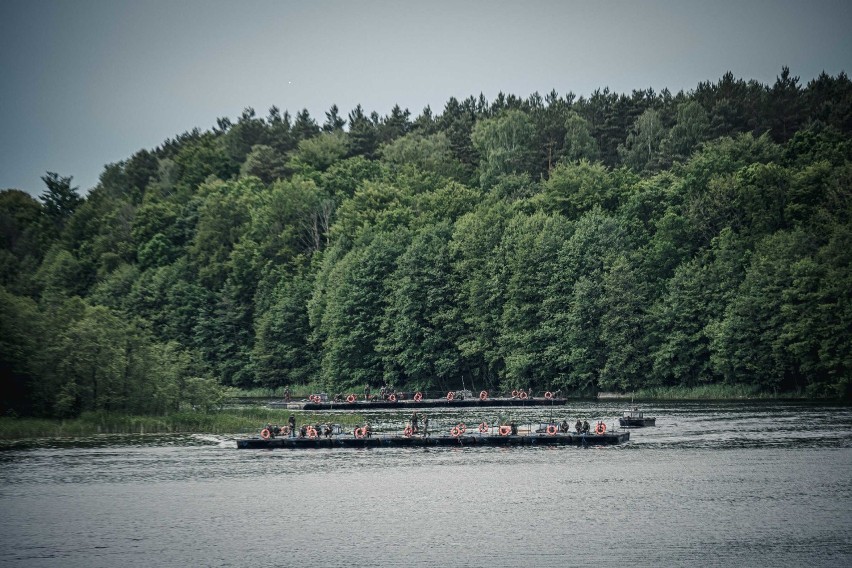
346	441
637	422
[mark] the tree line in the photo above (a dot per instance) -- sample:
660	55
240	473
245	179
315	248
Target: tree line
609	242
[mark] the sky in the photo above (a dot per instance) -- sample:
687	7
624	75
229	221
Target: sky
85	83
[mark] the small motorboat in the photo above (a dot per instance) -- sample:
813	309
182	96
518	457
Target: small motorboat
634	418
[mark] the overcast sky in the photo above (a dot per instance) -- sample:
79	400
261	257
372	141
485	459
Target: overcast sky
84	83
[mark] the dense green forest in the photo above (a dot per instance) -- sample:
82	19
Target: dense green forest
610	242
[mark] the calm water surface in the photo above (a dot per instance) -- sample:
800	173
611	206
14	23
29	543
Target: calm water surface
713	484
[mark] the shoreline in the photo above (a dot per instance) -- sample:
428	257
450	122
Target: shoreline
218	422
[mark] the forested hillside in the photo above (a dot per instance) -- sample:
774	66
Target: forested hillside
609	243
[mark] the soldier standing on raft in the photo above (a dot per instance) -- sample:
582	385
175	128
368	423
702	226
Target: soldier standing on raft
425	426
586	427
292	422
578	426
414	427
367	392
287	393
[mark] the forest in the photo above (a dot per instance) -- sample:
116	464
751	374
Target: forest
581	244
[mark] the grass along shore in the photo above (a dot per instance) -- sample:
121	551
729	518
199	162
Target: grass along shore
703	392
231	421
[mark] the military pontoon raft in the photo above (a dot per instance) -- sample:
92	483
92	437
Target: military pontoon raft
453	399
467	440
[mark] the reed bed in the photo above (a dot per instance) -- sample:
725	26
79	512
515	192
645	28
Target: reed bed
702	392
231	421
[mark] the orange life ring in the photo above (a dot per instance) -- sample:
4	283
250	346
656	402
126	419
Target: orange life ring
483	427
504	430
548	395
462	427
455	432
483	395
392	398
359	433
418	397
350	398
264	434
600	428
551	430
312	432
407	432
451	395
514	394
523	395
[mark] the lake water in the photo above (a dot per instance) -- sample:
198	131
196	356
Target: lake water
713	484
